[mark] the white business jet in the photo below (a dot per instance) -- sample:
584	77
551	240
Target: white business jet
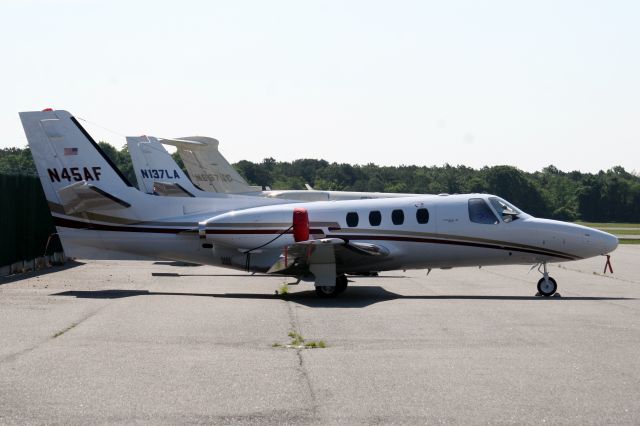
158	173
100	215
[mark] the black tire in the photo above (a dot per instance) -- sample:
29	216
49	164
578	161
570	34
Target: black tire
341	283
547	290
326	291
332	291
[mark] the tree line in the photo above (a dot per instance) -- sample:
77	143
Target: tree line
607	196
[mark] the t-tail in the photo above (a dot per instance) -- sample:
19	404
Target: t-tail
98	213
156	171
208	169
66	155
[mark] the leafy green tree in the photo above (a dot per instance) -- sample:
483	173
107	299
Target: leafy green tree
612	195
17	161
513	185
121	159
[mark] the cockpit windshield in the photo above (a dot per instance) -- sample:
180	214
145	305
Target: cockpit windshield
508	212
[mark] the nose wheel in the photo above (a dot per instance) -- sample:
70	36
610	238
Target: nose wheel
547	286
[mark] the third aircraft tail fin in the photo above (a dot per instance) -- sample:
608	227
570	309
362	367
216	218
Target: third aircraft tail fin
207	167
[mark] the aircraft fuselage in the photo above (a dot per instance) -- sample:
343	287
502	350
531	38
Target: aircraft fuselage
447	237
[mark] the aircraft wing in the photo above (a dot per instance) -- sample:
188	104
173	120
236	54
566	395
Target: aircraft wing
323	256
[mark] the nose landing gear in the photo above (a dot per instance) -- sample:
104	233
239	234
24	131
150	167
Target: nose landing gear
547	286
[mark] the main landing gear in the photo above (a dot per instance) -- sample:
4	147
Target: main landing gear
332	291
547	286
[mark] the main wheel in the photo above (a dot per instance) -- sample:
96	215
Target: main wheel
341	283
327	291
547	287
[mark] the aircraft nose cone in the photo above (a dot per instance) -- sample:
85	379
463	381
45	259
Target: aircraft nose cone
604	242
609	242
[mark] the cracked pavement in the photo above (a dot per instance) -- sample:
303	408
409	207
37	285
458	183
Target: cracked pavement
138	342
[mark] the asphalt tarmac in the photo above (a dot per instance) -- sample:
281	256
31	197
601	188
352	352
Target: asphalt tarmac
143	342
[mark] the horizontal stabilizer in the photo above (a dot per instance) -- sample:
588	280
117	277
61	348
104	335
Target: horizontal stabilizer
183	142
82	196
167	189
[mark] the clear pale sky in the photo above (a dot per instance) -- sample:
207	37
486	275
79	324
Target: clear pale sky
427	82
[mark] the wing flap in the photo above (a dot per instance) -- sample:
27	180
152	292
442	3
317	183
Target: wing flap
323	256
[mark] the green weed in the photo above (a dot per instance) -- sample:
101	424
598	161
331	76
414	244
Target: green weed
299	342
283	290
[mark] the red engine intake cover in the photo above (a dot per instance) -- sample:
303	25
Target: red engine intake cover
300	224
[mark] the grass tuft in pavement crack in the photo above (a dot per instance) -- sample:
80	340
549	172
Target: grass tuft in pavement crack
61	332
283	290
299	342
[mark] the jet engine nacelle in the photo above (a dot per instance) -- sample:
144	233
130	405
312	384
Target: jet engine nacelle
250	228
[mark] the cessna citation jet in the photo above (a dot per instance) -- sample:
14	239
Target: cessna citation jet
157	173
100	215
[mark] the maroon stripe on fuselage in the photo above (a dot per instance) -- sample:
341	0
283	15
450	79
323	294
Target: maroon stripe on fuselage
76	224
258	231
453	242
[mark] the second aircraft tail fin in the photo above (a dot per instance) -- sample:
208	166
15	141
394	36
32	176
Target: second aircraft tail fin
156	171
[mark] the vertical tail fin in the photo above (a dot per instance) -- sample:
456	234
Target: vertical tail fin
64	154
84	189
155	168
98	213
207	167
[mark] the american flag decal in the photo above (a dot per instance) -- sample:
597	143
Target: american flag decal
71	151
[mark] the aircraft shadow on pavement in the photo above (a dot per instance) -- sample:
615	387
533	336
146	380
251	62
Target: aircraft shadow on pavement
176	263
56	268
354	297
259	274
175	274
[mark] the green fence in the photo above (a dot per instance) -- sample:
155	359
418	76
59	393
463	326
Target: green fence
25	221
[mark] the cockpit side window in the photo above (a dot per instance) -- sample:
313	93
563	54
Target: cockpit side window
508	212
352	219
480	212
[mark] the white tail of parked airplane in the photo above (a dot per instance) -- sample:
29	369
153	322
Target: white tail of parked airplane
100	215
156	171
212	173
208	169
90	198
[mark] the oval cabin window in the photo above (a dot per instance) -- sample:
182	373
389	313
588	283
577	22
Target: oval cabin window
352	219
397	217
422	215
375	218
